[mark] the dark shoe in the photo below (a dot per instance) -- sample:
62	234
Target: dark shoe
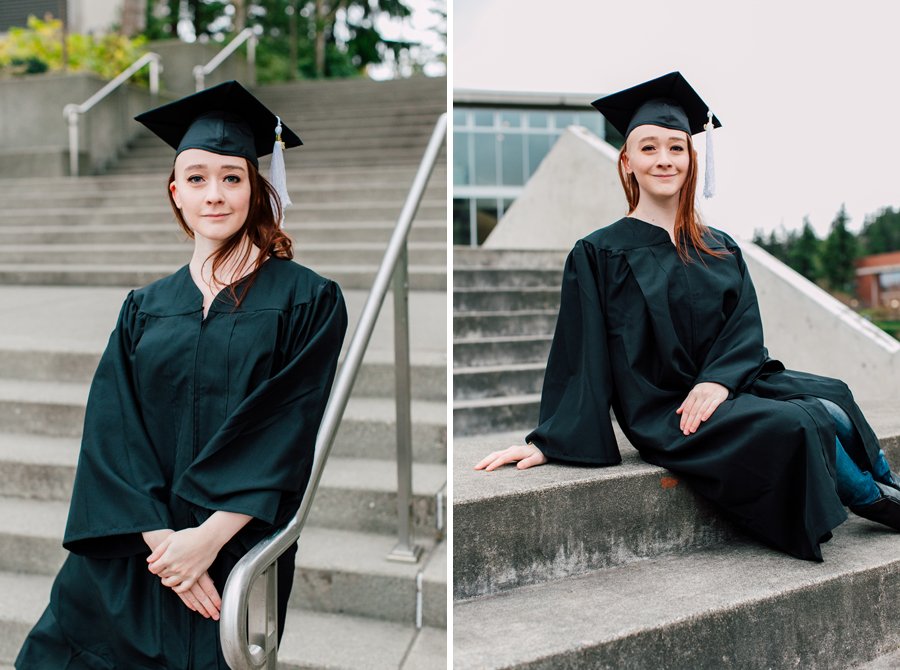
893	480
885	510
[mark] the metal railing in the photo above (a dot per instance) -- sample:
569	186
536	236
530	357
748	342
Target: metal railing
249	35
249	638
73	112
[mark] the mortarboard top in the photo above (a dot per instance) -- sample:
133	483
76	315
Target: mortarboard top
225	119
667	101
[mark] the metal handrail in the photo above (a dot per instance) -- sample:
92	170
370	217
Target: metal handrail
200	71
72	111
254	647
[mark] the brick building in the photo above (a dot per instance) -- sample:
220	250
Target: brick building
878	280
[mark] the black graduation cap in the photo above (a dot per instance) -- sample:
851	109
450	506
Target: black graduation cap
667	101
225	119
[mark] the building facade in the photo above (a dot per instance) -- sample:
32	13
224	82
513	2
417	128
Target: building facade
878	280
499	139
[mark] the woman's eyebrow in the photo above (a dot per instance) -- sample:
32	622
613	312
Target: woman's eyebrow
201	166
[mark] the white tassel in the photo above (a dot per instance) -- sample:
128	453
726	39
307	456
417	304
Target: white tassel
709	178
277	172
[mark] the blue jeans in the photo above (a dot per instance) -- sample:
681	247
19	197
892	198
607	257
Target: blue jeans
854	486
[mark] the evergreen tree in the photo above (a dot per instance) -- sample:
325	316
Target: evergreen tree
804	252
881	233
838	254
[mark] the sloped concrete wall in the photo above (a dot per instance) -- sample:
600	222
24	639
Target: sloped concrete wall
576	190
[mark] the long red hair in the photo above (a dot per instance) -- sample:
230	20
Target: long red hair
261	228
689	229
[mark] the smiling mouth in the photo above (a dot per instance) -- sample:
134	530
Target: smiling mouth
214	216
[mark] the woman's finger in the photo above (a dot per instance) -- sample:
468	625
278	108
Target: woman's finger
534	459
205	601
487	459
186	584
502	459
197	604
206	583
171	581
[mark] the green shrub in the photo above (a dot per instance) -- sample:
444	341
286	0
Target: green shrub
38	48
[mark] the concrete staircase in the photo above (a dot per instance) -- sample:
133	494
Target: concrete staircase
624	567
504	312
66	263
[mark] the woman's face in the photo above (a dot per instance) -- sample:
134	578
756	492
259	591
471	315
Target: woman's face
659	158
212	192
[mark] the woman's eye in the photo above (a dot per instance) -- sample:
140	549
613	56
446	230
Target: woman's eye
233	179
647	147
195	179
677	148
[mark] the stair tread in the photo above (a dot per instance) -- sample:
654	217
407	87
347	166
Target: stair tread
312	639
600	607
325	549
76	393
497	402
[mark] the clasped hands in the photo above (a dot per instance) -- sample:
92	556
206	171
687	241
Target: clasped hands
181	560
697	407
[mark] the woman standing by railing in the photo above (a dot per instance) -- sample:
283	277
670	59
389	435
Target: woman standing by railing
202	415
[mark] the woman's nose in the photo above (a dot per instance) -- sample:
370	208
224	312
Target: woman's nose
664	158
213	192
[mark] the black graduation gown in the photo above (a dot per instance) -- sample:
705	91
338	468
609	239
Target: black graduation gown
638	328
187	416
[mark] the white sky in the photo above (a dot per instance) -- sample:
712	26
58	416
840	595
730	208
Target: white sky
808	92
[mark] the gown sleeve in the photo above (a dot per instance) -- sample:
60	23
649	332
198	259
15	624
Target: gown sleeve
259	460
738	352
120	489
574	423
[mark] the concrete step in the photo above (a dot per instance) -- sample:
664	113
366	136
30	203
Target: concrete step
421	278
338	571
507	350
166	230
375	378
506	278
323	211
493	299
888	661
735	606
413	137
311	640
354	493
490	381
474	325
647	512
56	409
373	158
177	254
495	414
530	259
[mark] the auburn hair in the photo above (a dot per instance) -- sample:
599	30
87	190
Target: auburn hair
262	228
689	229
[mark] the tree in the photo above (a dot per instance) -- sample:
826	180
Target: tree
804	252
881	233
838	254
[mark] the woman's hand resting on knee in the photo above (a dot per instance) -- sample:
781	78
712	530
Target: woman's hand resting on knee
527	455
700	404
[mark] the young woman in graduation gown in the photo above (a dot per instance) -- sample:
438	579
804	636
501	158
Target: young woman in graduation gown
659	321
202	416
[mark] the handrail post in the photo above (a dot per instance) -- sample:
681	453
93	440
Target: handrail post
71	112
251	60
404	551
199	78
154	78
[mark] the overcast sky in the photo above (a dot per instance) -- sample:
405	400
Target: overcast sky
808	92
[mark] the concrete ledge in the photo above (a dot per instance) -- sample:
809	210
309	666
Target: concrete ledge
739	606
514	528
